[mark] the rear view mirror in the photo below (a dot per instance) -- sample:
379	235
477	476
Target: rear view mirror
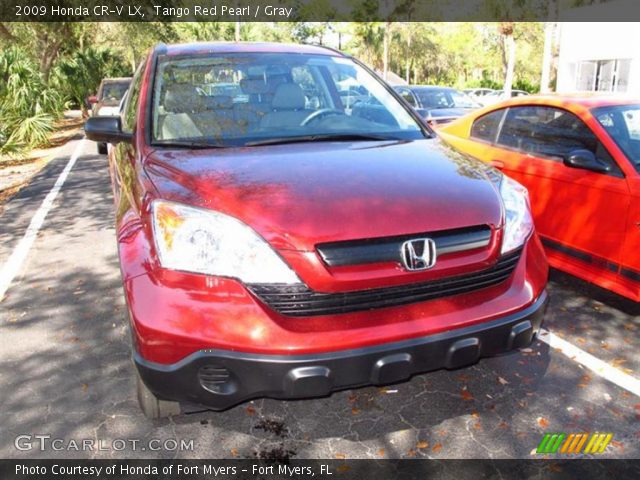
586	160
106	129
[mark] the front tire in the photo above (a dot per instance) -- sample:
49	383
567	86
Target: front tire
151	405
102	148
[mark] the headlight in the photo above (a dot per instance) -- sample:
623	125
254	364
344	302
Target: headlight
203	241
518	221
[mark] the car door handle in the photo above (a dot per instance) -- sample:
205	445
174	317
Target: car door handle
497	163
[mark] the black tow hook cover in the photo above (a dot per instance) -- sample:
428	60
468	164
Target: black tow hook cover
392	369
308	381
463	352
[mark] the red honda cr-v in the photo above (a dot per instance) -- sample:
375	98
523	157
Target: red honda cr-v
287	226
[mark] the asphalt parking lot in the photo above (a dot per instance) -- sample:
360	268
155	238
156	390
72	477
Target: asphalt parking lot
65	367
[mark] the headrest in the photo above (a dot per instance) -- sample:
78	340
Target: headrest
253	86
180	98
288	96
218	102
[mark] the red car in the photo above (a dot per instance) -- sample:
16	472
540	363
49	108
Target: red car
274	242
579	157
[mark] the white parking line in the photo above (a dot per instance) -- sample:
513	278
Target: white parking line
603	369
21	251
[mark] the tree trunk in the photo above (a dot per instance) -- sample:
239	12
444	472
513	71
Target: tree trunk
6	34
546	57
408	68
133	63
511	63
386	39
237	31
50	44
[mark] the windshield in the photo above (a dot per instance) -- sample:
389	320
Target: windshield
445	98
622	123
112	92
238	99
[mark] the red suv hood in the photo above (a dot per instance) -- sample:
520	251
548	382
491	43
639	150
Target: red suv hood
299	195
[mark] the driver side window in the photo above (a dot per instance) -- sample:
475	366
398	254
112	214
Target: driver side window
551	133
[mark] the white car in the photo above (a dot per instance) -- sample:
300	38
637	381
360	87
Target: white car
499	95
107	102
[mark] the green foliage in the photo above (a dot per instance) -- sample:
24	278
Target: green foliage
524	84
79	75
44	65
28	105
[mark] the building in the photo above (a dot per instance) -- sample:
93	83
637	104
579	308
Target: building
598	57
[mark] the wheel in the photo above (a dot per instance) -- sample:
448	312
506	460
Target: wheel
152	406
102	148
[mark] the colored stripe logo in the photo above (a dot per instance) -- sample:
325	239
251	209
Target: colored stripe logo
573	443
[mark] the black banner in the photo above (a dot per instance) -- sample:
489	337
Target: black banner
316	10
318	469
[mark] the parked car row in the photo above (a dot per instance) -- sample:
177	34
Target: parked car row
489	96
441	105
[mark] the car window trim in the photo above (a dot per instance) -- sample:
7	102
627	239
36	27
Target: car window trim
151	90
498	128
137	76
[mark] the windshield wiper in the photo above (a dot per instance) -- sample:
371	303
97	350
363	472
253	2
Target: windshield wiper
194	145
319	138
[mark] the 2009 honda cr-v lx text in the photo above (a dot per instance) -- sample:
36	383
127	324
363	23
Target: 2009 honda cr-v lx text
287	226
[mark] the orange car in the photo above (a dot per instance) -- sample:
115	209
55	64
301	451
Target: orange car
579	157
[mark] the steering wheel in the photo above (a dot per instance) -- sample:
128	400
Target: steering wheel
323	112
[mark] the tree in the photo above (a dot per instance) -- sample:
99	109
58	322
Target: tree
28	106
509	54
81	73
547	57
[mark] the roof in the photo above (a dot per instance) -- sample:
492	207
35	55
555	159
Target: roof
584	99
429	87
247	47
392	79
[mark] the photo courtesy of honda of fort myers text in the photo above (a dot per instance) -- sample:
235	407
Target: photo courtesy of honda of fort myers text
325	239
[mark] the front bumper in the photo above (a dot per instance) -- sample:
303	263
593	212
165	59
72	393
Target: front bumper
220	379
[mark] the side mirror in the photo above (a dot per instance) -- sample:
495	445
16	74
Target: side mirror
106	129
91	100
586	160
